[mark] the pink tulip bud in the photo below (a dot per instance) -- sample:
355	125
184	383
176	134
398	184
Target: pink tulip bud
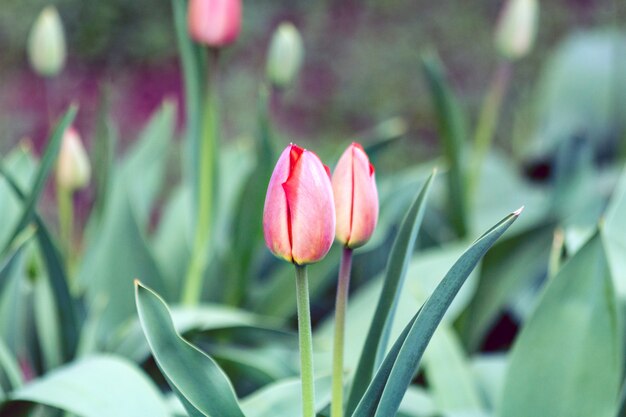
356	197
214	23
299	214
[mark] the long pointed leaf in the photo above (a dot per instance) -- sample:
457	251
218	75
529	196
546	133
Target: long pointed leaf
427	320
195	377
452	130
378	334
65	307
46	164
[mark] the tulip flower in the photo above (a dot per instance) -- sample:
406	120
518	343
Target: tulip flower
46	43
356	197
356	205
299	214
215	23
516	28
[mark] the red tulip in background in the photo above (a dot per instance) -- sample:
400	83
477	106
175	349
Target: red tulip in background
356	197
299	213
214	23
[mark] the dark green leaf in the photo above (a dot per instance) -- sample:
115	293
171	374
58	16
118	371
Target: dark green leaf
47	162
452	131
378	335
65	307
419	332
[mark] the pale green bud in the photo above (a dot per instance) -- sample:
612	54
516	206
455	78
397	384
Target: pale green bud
46	43
73	167
285	55
517	28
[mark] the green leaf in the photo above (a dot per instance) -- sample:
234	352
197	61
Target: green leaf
567	360
614	235
453	133
47	162
131	343
283	398
380	328
65	307
119	251
98	386
247	228
404	359
198	381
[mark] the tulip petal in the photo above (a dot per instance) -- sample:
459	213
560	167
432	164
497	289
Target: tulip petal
364	200
276	212
342	190
312	211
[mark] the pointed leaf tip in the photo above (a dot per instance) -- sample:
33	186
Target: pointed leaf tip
518	211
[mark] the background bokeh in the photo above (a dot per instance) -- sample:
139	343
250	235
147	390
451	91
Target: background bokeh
361	67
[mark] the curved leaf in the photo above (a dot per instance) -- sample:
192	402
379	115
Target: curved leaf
198	381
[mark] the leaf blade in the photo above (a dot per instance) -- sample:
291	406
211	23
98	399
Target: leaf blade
191	372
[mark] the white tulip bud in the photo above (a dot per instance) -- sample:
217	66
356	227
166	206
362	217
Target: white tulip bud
46	43
285	55
517	28
73	167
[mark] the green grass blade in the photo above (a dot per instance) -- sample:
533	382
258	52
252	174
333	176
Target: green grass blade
378	334
453	134
47	162
65	307
194	375
431	314
568	358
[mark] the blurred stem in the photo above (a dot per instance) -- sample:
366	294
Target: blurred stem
488	120
305	338
206	187
66	225
556	253
341	303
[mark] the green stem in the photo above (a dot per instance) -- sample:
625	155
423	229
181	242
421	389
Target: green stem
341	303
207	171
488	120
66	226
305	338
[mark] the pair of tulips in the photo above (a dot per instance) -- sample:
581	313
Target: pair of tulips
305	208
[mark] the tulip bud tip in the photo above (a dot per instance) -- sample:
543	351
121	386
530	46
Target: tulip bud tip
518	211
136	282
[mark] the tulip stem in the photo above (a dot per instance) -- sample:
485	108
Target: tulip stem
305	338
341	303
206	184
488	120
66	219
